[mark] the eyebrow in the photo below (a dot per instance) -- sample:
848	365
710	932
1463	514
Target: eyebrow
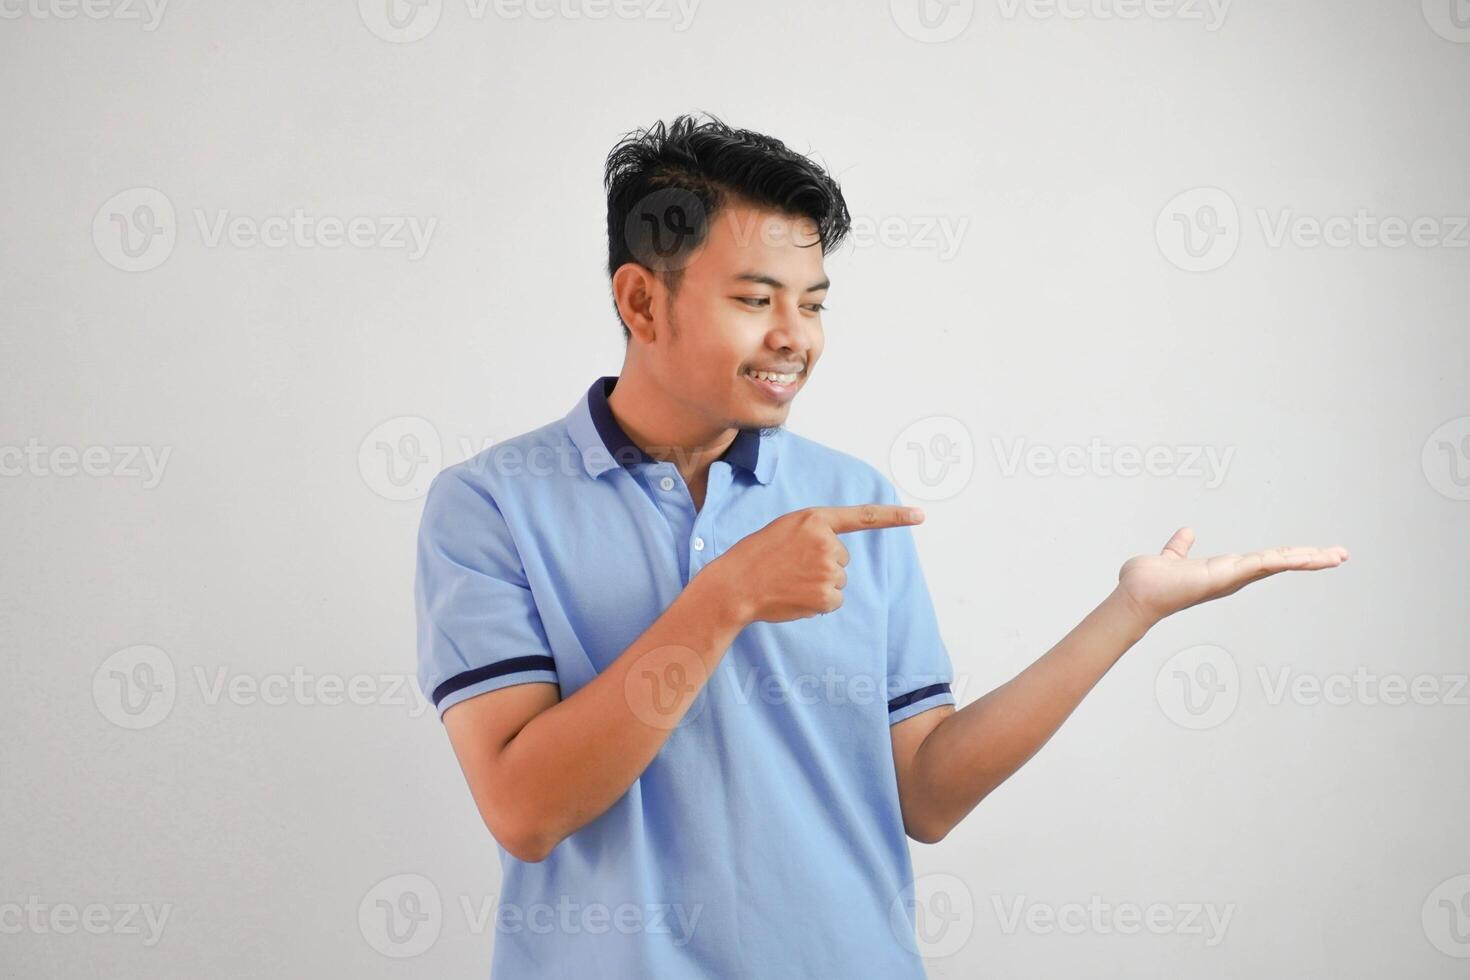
774	283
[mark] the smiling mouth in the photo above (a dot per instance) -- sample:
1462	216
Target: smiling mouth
779	379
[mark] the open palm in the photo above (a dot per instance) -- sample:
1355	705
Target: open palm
1160	585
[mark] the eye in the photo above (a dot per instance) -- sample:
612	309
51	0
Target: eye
756	300
816	307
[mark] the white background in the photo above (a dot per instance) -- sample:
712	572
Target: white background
1337	378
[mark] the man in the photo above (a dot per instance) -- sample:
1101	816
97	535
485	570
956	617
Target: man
686	658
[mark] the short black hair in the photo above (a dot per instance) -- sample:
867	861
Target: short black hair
673	179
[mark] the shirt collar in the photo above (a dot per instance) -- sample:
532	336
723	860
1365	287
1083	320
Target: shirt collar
604	445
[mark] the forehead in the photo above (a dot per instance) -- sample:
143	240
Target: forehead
752	237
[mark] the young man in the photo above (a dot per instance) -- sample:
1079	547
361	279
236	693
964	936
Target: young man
687	658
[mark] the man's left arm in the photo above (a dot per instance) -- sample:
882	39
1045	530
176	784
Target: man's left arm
948	760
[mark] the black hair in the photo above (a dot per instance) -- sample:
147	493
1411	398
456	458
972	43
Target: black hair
665	183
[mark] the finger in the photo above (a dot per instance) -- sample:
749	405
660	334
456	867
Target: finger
868	517
1259	564
840	555
1180	543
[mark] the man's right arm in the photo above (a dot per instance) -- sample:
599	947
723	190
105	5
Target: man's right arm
540	768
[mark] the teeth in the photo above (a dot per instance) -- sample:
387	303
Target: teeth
780	379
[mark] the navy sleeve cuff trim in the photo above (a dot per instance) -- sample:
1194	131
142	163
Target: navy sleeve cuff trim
904	700
512	666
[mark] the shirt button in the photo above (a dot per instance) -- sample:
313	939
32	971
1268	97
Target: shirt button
699	544
667	483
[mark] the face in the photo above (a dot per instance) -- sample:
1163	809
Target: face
750	301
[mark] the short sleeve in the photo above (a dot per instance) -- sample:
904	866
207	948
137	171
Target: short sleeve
919	669
478	628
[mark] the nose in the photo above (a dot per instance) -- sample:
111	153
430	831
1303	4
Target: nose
791	334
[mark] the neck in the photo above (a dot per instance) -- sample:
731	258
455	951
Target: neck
665	429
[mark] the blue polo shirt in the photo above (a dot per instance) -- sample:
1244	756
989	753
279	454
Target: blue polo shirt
765	839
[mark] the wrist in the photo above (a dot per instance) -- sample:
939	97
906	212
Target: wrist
719	598
1129	611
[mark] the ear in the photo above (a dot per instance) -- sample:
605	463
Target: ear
633	289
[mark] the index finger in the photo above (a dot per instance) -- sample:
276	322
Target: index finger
868	517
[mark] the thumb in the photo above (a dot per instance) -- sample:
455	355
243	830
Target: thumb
1180	543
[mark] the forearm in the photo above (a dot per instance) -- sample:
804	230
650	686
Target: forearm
977	748
574	760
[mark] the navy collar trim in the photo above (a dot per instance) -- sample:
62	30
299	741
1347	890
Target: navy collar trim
744	450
